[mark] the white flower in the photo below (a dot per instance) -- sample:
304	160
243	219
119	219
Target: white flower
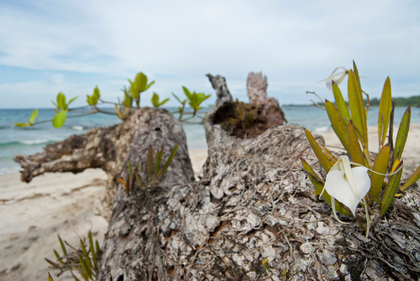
339	185
337	78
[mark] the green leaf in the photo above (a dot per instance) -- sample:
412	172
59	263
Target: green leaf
49	277
61	101
339	101
119	113
72	100
60	118
33	116
338	123
169	161
128	101
135	92
323	159
380	166
356	74
92	247
159	156
85	268
187	92
63	248
150	163
148	85
384	114
96	92
141	81
402	135
179	100
357	108
155	100
22	124
55	265
411	180
390	191
354	146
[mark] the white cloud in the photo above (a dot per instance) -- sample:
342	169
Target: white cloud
178	42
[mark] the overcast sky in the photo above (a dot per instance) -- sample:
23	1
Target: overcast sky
48	46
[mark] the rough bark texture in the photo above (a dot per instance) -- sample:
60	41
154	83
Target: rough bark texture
110	149
256	87
254	215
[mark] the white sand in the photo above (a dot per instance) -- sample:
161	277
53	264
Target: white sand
31	215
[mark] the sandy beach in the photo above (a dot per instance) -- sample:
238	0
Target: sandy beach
33	214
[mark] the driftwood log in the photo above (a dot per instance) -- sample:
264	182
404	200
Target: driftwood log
254	215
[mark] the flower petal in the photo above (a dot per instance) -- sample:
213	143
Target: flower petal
338	186
362	181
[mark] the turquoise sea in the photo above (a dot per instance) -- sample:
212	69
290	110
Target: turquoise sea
31	140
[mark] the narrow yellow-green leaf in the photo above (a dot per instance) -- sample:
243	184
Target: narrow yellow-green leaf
390	191
53	264
339	101
402	134
150	163
63	248
86	258
356	74
92	248
70	101
338	123
33	116
49	277
380	166
59	119
159	156
311	172
414	178
384	114
98	249
323	159
86	273
354	146
119	114
57	256
329	154
169	161
61	101
22	124
357	109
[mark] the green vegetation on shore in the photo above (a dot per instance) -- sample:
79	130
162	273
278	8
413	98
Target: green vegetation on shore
413	101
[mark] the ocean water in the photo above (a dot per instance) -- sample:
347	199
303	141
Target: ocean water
30	140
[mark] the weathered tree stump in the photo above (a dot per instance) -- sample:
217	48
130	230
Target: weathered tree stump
254	215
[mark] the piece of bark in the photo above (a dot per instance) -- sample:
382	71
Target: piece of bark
255	215
256	87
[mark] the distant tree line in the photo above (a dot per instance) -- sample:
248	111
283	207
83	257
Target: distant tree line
413	101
